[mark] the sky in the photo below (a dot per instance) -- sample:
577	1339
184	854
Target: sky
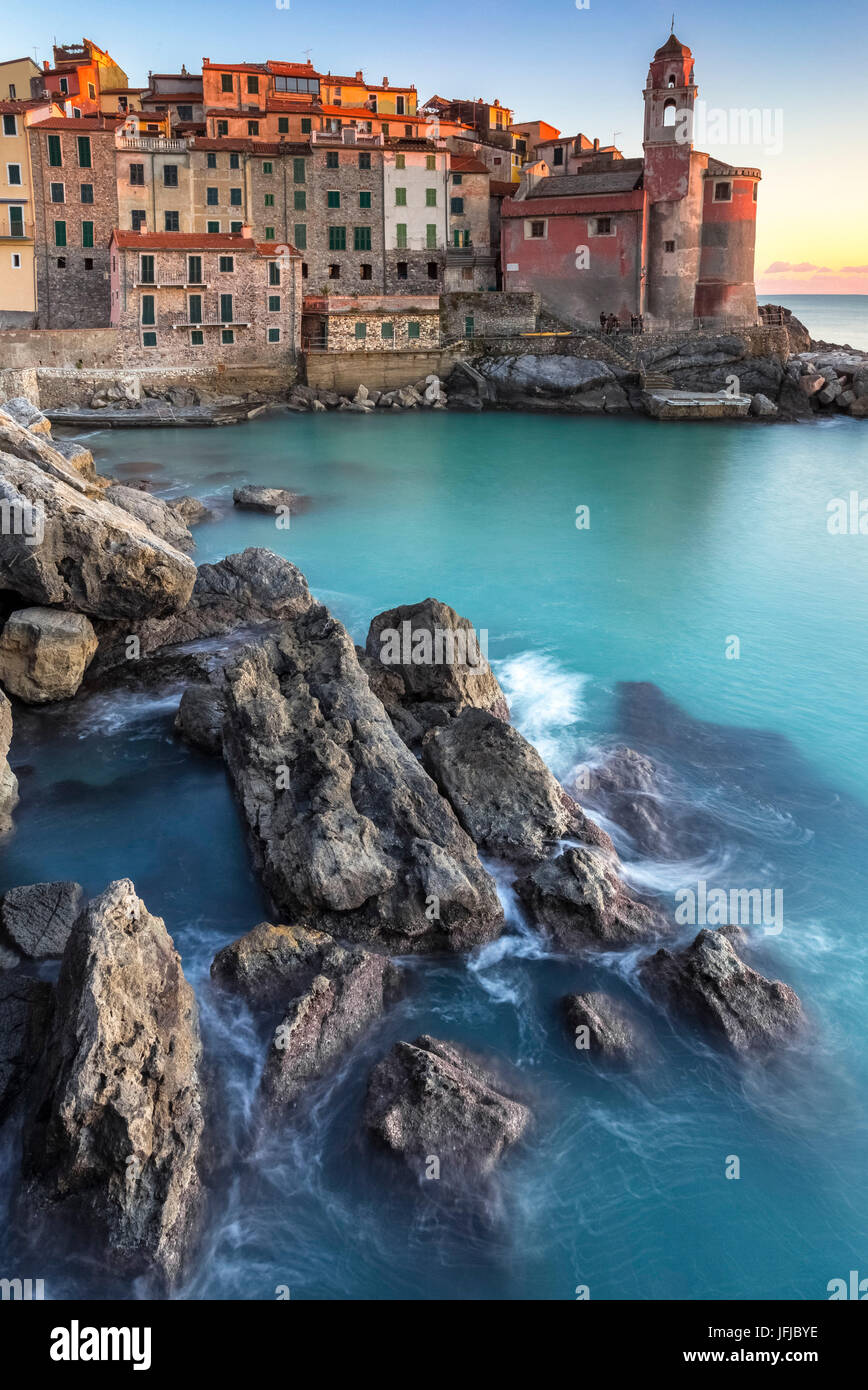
801	70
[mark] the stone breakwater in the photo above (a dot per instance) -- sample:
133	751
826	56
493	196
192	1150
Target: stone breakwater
370	784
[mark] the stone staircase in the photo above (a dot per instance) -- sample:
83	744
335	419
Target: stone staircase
656	381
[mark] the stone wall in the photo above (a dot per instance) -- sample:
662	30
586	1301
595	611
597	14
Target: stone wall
381	371
60	387
493	312
58	347
342	331
21	381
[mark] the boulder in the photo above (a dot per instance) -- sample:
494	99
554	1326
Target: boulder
271	964
264	499
200	717
189	510
116	1123
601	1027
85	553
579	901
501	790
37	918
350	834
25	1011
430	1100
625	787
762	406
27	415
811	383
709	983
8	780
44	653
40	449
79	458
154	513
549	375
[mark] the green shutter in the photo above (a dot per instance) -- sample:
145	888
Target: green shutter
226	308
412	330
300	200
298	170
431	236
401	231
195	304
387	330
430	197
55	157
337	238
333	199
400	197
300	237
84	151
305	125
361	238
364	200
60	233
148	309
194	270
87	234
361	330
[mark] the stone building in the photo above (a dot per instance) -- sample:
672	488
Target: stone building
260	101
178	97
377	323
204	299
470	261
76	210
669	236
416	216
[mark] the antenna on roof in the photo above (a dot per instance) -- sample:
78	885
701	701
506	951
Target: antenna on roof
672	27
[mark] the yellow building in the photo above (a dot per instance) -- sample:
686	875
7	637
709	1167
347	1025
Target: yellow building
15	75
355	92
17	261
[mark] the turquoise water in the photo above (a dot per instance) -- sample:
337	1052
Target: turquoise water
831	318
697	535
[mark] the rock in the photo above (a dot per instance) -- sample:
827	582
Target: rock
361	395
352	991
271	963
78	458
427	664
8	780
41	450
350	833
154	513
317	405
432	391
264	499
710	984
551	375
601	1027
37	918
116	1122
580	901
8	958
811	384
625	787
761	405
27	415
25	1010
830	392
845	400
182	396
189	510
501	790
44	653
429	1100
83	553
200	717
859	408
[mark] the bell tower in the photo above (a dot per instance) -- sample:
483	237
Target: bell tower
670	94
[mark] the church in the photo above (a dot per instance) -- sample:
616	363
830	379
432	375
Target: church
669	236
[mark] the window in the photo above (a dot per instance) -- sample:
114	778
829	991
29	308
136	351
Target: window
149	339
401	236
387	330
194	308
337	238
755	191
234	162
399	106
146	270
305	125
60	233
84	151
408	131
334	272
10	127
13	174
300	236
16	221
283	125
87	234
86	192
170	176
457	178
64	86
669	113
274	303
197	337
222	128
194	270
601	226
61	263
361	330
558	155
226	264
16	260
400	197
226	81
535	231
412	330
274	335
333	160
267	166
148	309
12	98
456	205
91	91
361	238
430	197
300	200
212	197
298	166
227	335
185	113
669	246
211	160
400	161
431	236
364	199
235	197
172	221
252	127
88	262
252	82
269	234
274	272
333	199
401	269
213	227
137	175
235	228
269	200
58	193
468	326
364	160
226	308
433	270
430	161
723	192
366	272
138	217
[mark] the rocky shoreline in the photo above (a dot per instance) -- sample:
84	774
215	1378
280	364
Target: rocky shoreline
371	785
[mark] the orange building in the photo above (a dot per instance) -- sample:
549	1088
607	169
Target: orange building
86	81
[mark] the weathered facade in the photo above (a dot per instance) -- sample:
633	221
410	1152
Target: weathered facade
380	323
471	263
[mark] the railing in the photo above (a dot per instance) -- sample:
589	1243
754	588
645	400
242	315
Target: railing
181	284
20	231
340	137
470	255
158	144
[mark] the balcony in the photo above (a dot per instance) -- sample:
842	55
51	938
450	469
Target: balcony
207	323
173	284
470	255
348	136
155	144
23	231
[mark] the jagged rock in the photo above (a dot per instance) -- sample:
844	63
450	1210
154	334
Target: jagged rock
116	1122
710	984
830	392
40	449
265	499
429	1100
271	963
27	415
625	787
554	375
352	990
189	510
8	780
37	918
154	513
811	384
350	833
580	901
92	556
44	653
501	790
761	405
79	458
25	1010
601	1027
200	716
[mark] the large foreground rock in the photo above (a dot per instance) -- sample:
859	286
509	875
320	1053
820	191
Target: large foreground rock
710	984
579	901
37	918
350	833
429	1100
44	653
91	556
25	1010
8	780
502	792
156	514
116	1122
602	1028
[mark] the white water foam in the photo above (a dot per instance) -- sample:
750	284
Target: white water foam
546	702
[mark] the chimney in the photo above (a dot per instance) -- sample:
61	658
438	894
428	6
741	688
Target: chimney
596	145
359	77
247	231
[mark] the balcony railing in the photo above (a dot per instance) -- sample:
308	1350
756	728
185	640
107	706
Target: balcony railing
173	284
347	136
157	144
470	255
19	231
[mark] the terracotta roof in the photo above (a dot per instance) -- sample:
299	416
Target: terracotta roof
74	125
169	96
183	241
235	67
292	69
14	104
673	46
498	189
466	164
366	113
271	248
554	207
373	303
581	185
263	147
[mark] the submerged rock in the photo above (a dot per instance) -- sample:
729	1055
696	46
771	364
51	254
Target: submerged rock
579	900
8	780
25	1010
502	792
116	1122
264	499
602	1027
190	510
37	918
44	653
271	963
626	788
710	984
350	833
429	1100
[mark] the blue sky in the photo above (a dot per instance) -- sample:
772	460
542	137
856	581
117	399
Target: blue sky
580	69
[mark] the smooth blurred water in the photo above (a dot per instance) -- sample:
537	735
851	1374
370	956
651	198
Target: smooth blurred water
698	534
830	318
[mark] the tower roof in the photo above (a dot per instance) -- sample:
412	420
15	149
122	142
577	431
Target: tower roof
671	47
